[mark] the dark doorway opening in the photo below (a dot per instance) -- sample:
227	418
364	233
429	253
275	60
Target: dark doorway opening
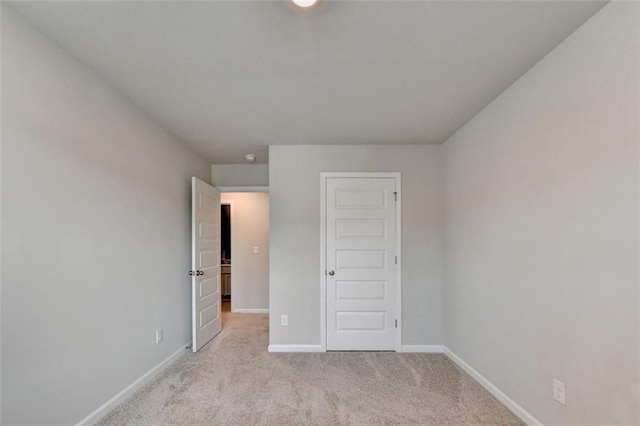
225	261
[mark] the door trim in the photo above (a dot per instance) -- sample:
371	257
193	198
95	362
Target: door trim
323	245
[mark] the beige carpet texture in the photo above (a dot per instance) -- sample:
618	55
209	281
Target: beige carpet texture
235	381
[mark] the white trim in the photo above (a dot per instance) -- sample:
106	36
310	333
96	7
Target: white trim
423	349
194	264
323	255
250	311
398	177
295	348
243	188
105	408
523	414
323	224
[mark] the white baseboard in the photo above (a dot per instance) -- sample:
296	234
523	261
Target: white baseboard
250	311
105	408
295	348
524	415
426	349
436	349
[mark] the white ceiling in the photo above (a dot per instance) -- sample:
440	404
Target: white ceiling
233	77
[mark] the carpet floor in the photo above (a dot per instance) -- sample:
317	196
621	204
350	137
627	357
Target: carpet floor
235	381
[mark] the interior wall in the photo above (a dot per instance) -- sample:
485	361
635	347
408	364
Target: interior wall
249	229
96	235
240	174
294	187
542	230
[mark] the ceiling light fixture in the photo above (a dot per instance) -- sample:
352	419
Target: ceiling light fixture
305	3
250	157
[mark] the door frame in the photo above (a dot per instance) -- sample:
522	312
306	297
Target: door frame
234	189
323	246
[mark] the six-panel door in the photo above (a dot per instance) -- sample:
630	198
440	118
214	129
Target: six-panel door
360	263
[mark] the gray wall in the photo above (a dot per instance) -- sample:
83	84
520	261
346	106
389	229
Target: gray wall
240	174
294	186
96	235
542	230
249	228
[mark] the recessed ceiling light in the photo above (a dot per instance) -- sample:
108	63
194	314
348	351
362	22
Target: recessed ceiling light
250	157
305	3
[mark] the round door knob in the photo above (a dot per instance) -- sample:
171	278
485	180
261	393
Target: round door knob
200	272
332	273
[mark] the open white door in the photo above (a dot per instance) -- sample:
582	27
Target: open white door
205	262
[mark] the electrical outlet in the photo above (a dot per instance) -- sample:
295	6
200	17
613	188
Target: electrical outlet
255	250
558	391
158	336
284	320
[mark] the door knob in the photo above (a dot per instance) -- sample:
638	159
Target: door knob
332	273
200	273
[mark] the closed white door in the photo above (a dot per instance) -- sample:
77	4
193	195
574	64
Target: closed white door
205	258
361	263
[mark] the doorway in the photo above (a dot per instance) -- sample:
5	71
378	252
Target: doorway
361	261
245	218
245	253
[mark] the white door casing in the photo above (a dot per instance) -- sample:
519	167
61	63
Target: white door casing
361	274
205	262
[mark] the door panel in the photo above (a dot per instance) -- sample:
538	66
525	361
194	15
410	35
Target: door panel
354	228
360	198
361	321
361	249
205	287
360	290
361	259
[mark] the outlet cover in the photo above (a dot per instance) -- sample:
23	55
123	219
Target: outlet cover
558	391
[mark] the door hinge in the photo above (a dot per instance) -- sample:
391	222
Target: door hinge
395	195
396	323
396	260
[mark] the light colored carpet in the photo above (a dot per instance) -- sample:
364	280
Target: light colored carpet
235	381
